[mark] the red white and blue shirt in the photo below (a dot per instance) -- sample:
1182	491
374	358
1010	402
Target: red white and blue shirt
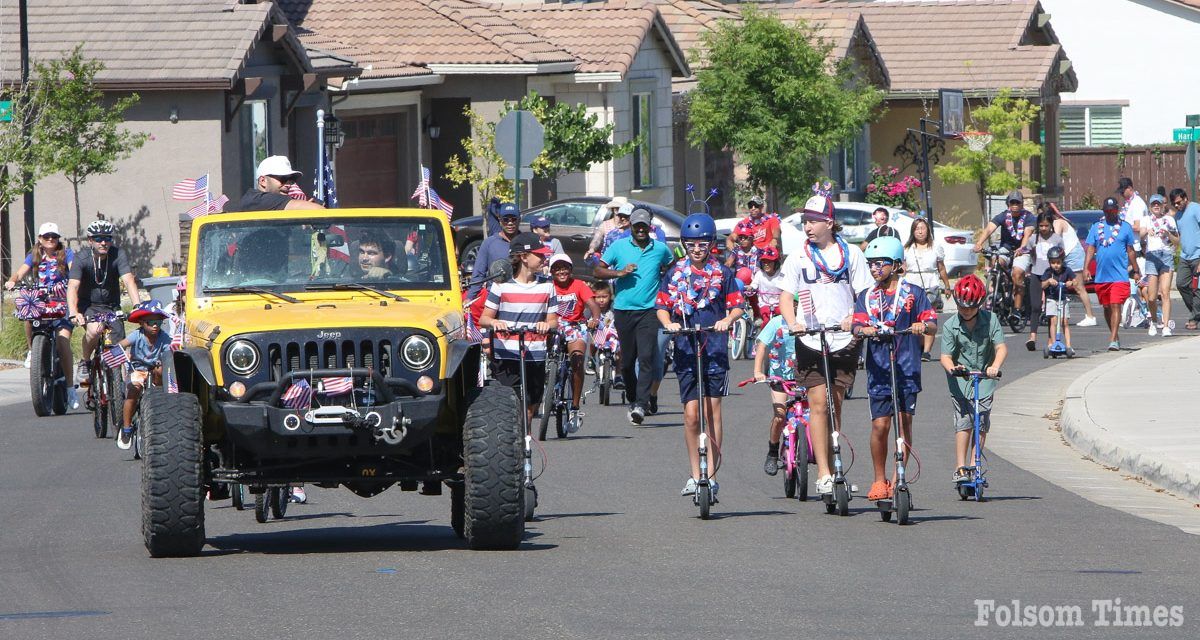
899	309
699	298
521	305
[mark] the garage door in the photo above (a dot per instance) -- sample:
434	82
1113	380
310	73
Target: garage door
368	164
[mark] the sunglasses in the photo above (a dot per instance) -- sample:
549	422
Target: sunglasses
153	323
51	236
102	238
284	179
697	246
1179	203
879	263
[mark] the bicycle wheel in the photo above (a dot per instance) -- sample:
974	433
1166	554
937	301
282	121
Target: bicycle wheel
261	510
604	375
530	492
560	402
116	398
100	414
789	475
41	375
238	493
548	399
802	456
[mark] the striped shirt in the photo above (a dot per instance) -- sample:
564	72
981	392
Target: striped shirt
521	306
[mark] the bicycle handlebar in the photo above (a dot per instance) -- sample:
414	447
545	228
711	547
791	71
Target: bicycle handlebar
818	331
689	330
790	387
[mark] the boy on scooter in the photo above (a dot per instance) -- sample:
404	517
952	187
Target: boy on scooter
972	340
891	305
699	291
1058	274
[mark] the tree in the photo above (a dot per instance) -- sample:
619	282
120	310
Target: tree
769	92
79	133
20	166
1005	118
574	142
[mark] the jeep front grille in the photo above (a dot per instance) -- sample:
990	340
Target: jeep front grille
328	354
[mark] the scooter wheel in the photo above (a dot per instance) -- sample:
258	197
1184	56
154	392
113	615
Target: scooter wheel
841	496
964	492
979	495
704	497
530	502
903	501
830	508
885	511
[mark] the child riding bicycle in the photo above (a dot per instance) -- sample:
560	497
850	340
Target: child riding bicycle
775	357
571	297
698	291
516	307
146	348
972	340
891	305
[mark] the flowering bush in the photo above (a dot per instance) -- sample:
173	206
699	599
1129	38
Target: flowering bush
890	189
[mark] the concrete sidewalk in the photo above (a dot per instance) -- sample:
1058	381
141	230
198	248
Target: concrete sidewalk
14	385
1140	413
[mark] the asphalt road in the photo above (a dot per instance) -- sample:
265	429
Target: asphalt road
615	551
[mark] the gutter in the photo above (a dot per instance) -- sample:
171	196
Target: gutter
359	85
503	69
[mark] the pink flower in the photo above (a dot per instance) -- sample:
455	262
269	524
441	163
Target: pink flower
894	171
871	188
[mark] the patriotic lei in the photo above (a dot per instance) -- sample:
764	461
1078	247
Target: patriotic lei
1112	237
882	315
1010	222
748	259
690	293
1162	226
814	254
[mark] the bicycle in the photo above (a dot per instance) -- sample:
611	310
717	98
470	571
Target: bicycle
901	502
704	496
795	445
529	489
976	481
47	382
604	362
839	501
1001	288
556	398
106	385
739	338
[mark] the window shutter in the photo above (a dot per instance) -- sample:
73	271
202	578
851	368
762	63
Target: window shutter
1072	133
1106	126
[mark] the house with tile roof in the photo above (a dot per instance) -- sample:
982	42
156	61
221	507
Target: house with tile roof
221	85
424	61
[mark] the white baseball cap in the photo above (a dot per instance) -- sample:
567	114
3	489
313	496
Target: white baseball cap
626	209
48	228
276	166
560	257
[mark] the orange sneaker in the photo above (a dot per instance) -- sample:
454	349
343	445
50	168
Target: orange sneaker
880	491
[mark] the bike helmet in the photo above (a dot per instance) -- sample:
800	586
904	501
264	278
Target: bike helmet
1055	253
745	275
1110	204
698	226
770	253
886	247
970	291
146	310
100	228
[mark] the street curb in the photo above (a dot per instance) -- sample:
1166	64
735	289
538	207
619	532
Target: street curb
1082	432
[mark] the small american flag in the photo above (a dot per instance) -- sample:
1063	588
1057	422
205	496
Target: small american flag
338	386
427	197
217	205
113	357
565	305
208	206
189	188
172	384
295	192
473	333
298	396
177	331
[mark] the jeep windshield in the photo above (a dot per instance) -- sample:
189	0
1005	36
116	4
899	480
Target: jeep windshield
281	256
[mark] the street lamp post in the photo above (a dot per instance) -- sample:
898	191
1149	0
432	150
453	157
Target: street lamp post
30	227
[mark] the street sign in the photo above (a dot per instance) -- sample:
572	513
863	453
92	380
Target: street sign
1183	135
5	110
511	173
1192	120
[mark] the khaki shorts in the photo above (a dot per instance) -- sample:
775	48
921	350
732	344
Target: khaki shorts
964	419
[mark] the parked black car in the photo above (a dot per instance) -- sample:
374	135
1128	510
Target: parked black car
573	221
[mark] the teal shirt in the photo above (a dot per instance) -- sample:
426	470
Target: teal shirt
973	348
637	291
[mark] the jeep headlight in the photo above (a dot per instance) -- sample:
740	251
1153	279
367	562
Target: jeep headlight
242	357
416	352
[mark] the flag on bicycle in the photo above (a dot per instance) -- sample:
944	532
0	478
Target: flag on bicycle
338	386
472	329
30	305
298	396
565	305
113	357
190	188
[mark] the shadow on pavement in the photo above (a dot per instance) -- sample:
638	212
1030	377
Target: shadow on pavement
722	515
990	498
402	536
561	516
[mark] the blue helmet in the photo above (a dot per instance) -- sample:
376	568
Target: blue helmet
697	227
887	247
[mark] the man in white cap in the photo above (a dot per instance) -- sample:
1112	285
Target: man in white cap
270	191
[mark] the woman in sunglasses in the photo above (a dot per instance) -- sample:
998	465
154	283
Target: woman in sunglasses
51	260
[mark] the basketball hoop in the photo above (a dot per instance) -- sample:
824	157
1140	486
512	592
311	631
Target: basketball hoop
976	140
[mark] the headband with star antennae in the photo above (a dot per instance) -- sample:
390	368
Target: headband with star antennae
823	188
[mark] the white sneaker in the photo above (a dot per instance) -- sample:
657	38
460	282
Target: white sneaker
28	357
1088	321
72	398
825	485
298	496
82	371
1166	332
689	488
574	421
1153	331
125	438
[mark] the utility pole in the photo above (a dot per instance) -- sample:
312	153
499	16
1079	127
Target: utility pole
30	227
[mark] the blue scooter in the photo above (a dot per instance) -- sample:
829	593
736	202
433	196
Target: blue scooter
1058	347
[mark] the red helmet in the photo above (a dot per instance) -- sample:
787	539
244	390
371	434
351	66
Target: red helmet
745	275
969	291
769	253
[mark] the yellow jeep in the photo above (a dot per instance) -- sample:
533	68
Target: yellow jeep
327	347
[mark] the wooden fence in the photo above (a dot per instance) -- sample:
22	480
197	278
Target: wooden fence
1091	173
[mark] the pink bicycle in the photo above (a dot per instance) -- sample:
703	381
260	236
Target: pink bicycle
795	451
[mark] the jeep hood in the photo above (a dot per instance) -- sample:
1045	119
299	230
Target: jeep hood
239	317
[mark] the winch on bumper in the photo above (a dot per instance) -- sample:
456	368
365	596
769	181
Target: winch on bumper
385	414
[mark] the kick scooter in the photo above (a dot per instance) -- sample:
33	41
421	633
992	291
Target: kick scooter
839	501
704	496
976	481
901	502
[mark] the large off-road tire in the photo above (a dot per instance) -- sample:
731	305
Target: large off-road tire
41	376
172	474
492	455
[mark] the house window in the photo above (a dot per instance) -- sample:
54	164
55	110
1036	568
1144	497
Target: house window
1091	125
256	145
847	164
643	127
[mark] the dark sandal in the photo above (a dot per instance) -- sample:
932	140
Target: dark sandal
1031	345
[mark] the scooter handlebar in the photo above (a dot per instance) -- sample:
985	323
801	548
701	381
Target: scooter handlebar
689	330
967	373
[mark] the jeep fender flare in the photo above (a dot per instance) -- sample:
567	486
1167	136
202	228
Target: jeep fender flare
193	367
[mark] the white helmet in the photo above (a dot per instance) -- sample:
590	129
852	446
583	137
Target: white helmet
100	228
